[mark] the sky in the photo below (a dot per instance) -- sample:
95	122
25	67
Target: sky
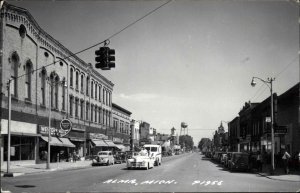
188	61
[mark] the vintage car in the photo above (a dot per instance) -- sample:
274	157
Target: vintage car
141	161
103	158
154	150
120	157
239	161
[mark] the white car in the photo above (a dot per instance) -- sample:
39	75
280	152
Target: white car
140	161
155	151
103	158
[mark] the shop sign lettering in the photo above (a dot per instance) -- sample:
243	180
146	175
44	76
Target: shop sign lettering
44	130
163	182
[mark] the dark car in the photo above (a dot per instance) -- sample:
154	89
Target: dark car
120	157
239	161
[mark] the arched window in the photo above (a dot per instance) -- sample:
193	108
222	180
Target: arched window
71	77
28	80
14	74
87	85
43	86
63	95
96	86
77	80
52	78
92	89
56	92
81	83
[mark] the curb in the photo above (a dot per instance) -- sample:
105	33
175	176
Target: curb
272	178
15	174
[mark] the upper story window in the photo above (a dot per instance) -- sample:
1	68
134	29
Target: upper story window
99	92
43	86
92	89
77	80
96	88
28	80
56	92
22	31
81	83
71	77
14	74
87	85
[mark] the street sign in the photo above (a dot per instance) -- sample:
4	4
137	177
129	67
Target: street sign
281	129
268	119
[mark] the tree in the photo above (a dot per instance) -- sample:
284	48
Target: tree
204	144
186	141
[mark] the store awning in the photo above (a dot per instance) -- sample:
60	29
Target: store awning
110	143
62	142
121	147
99	143
67	142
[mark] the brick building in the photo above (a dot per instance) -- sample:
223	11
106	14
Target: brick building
121	125
45	73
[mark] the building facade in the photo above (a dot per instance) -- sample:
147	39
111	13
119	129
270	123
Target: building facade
48	84
251	131
121	124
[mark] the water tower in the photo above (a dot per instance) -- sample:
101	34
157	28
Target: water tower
183	127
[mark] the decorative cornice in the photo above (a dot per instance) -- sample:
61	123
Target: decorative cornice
17	14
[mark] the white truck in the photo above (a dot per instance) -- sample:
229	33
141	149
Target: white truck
155	152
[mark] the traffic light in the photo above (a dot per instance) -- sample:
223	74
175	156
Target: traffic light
111	58
105	58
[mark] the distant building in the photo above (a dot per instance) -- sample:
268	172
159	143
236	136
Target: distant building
121	124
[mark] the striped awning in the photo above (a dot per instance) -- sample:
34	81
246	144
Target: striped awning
121	147
99	143
110	143
62	142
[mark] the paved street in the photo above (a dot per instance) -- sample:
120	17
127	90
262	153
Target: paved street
186	172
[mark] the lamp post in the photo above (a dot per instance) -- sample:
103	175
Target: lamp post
51	83
269	83
8	174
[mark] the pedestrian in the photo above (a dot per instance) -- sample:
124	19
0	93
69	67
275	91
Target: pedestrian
259	161
74	156
286	156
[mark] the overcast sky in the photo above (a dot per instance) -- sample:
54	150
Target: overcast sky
188	61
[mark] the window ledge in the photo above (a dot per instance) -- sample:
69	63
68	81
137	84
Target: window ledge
28	101
14	98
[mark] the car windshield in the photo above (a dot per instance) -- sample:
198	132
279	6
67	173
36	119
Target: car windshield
240	156
103	153
154	149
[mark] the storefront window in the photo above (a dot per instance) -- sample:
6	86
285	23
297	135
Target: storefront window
22	148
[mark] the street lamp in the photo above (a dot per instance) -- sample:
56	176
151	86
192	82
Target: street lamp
51	83
269	83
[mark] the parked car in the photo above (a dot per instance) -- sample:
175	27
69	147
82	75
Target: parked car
239	161
223	158
227	158
120	157
103	158
141	161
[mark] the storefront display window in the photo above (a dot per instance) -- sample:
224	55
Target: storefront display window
22	148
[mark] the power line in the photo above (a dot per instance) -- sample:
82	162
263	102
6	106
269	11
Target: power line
276	76
110	37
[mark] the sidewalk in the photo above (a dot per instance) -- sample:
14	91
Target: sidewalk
279	174
18	170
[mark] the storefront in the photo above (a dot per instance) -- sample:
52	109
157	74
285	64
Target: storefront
23	142
60	147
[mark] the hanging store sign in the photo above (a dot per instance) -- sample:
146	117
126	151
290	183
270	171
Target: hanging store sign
97	136
65	127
